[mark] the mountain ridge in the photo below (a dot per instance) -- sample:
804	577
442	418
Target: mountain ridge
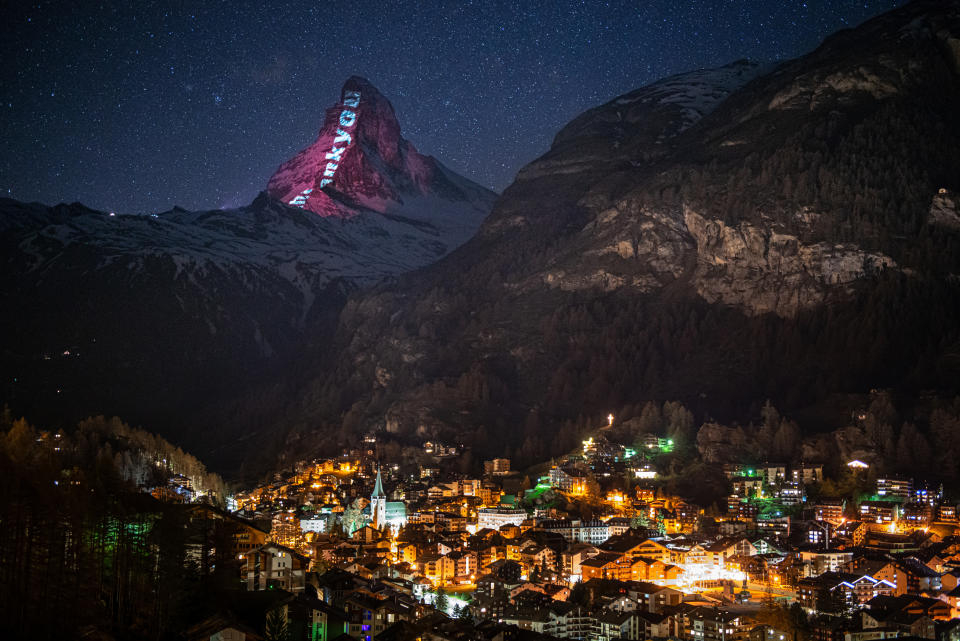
165	318
693	261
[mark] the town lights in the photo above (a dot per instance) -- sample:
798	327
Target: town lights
587	445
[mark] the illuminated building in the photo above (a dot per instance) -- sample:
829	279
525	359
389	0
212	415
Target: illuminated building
575	531
747	486
879	511
574	556
369	616
830	510
715	624
654	444
275	566
385	514
569	479
496	467
893	487
831	588
645	472
790	493
924	493
947	513
316	524
733	470
496	517
378	504
807	473
245	535
777	526
917	514
606	565
816	563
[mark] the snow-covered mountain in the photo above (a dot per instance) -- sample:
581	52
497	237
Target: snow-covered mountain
305	251
360	164
156	316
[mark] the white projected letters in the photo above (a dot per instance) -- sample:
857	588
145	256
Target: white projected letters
301	199
342	141
348	118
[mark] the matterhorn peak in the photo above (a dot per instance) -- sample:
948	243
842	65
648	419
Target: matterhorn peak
359	161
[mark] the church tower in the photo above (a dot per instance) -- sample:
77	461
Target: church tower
378	504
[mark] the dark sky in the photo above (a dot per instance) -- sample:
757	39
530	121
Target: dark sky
138	105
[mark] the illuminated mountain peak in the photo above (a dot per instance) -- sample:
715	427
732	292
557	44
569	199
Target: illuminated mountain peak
360	161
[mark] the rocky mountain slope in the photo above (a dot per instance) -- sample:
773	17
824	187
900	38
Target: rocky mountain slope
163	318
360	163
719	237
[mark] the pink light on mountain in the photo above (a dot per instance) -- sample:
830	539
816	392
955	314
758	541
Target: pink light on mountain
358	161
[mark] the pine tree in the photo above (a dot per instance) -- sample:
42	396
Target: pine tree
276	626
441	601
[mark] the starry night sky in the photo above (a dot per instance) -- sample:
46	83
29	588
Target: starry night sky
138	106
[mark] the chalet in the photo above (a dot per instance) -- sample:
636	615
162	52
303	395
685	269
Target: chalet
244	534
437	568
614	625
909	575
637	548
605	565
840	592
818	562
368	617
275	566
651	597
573	556
716	624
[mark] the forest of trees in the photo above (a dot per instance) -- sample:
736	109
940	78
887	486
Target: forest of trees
494	357
83	550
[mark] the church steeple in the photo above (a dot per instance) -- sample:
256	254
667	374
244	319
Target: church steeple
378	504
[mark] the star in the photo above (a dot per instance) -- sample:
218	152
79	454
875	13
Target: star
484	86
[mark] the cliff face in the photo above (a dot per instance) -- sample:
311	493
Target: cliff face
717	237
761	270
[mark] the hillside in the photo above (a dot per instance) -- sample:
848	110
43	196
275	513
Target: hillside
718	238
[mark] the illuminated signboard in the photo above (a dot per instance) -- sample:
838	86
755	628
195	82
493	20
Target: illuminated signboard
342	142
